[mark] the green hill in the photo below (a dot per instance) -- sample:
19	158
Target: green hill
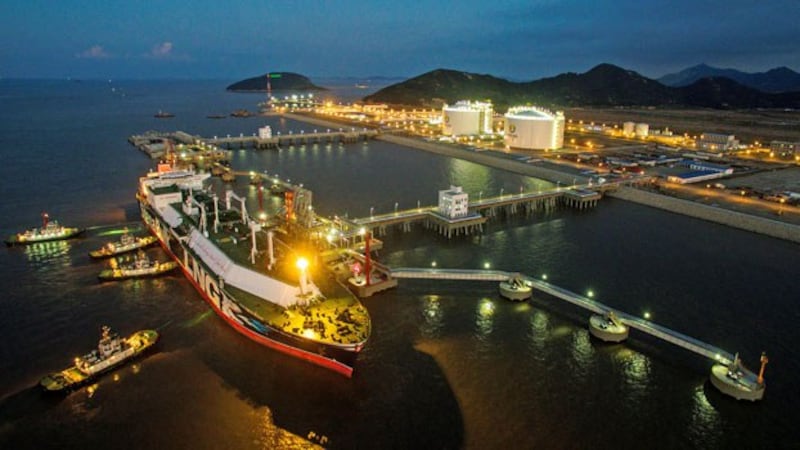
603	86
279	81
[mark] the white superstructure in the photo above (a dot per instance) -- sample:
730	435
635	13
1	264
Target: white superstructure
533	128
467	118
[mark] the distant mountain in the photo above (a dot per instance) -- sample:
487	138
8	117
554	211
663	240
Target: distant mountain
779	79
724	93
603	85
279	81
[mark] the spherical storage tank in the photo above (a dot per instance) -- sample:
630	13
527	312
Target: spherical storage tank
534	128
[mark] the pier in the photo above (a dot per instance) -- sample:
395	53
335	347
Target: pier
341	136
481	210
673	337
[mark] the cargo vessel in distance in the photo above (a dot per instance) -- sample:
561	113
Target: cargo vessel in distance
259	276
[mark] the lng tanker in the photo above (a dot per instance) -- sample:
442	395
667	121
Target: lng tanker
264	278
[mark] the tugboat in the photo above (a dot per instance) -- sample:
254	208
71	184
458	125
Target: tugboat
738	381
50	231
111	352
608	327
140	268
126	243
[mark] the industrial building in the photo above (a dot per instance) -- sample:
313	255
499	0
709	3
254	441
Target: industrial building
532	128
467	118
717	142
453	203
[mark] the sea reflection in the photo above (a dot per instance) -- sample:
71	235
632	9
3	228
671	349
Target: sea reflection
540	322
434	315
48	252
484	318
582	351
636	368
705	419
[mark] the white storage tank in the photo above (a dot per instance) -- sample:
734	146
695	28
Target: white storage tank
628	128
467	118
641	130
532	128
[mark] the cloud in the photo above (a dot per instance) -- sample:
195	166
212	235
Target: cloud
162	50
93	52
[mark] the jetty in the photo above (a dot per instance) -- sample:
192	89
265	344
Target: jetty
721	357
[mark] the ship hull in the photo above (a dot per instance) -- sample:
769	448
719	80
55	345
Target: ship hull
339	359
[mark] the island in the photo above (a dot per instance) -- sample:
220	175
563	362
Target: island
278	81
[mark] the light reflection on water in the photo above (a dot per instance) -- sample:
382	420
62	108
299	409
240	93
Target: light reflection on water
52	253
706	419
433	315
635	372
583	352
484	319
538	333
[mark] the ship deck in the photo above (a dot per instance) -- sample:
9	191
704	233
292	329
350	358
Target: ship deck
338	318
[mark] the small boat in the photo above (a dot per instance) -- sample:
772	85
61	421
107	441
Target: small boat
126	243
111	352
163	115
141	267
216	116
49	231
241	113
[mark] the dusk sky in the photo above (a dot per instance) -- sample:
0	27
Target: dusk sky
522	40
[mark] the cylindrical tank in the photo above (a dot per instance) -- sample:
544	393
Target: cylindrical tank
641	130
628	128
534	128
467	118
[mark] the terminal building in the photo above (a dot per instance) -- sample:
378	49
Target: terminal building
532	128
467	118
717	142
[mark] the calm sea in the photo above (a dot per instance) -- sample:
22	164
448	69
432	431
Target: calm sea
448	365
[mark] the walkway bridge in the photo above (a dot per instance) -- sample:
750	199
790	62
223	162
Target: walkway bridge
645	326
329	136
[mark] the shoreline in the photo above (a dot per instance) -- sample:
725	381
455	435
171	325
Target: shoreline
734	219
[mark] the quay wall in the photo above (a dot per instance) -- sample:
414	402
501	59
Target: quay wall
483	158
318	122
722	216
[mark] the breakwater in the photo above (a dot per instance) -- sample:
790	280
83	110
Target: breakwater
714	214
